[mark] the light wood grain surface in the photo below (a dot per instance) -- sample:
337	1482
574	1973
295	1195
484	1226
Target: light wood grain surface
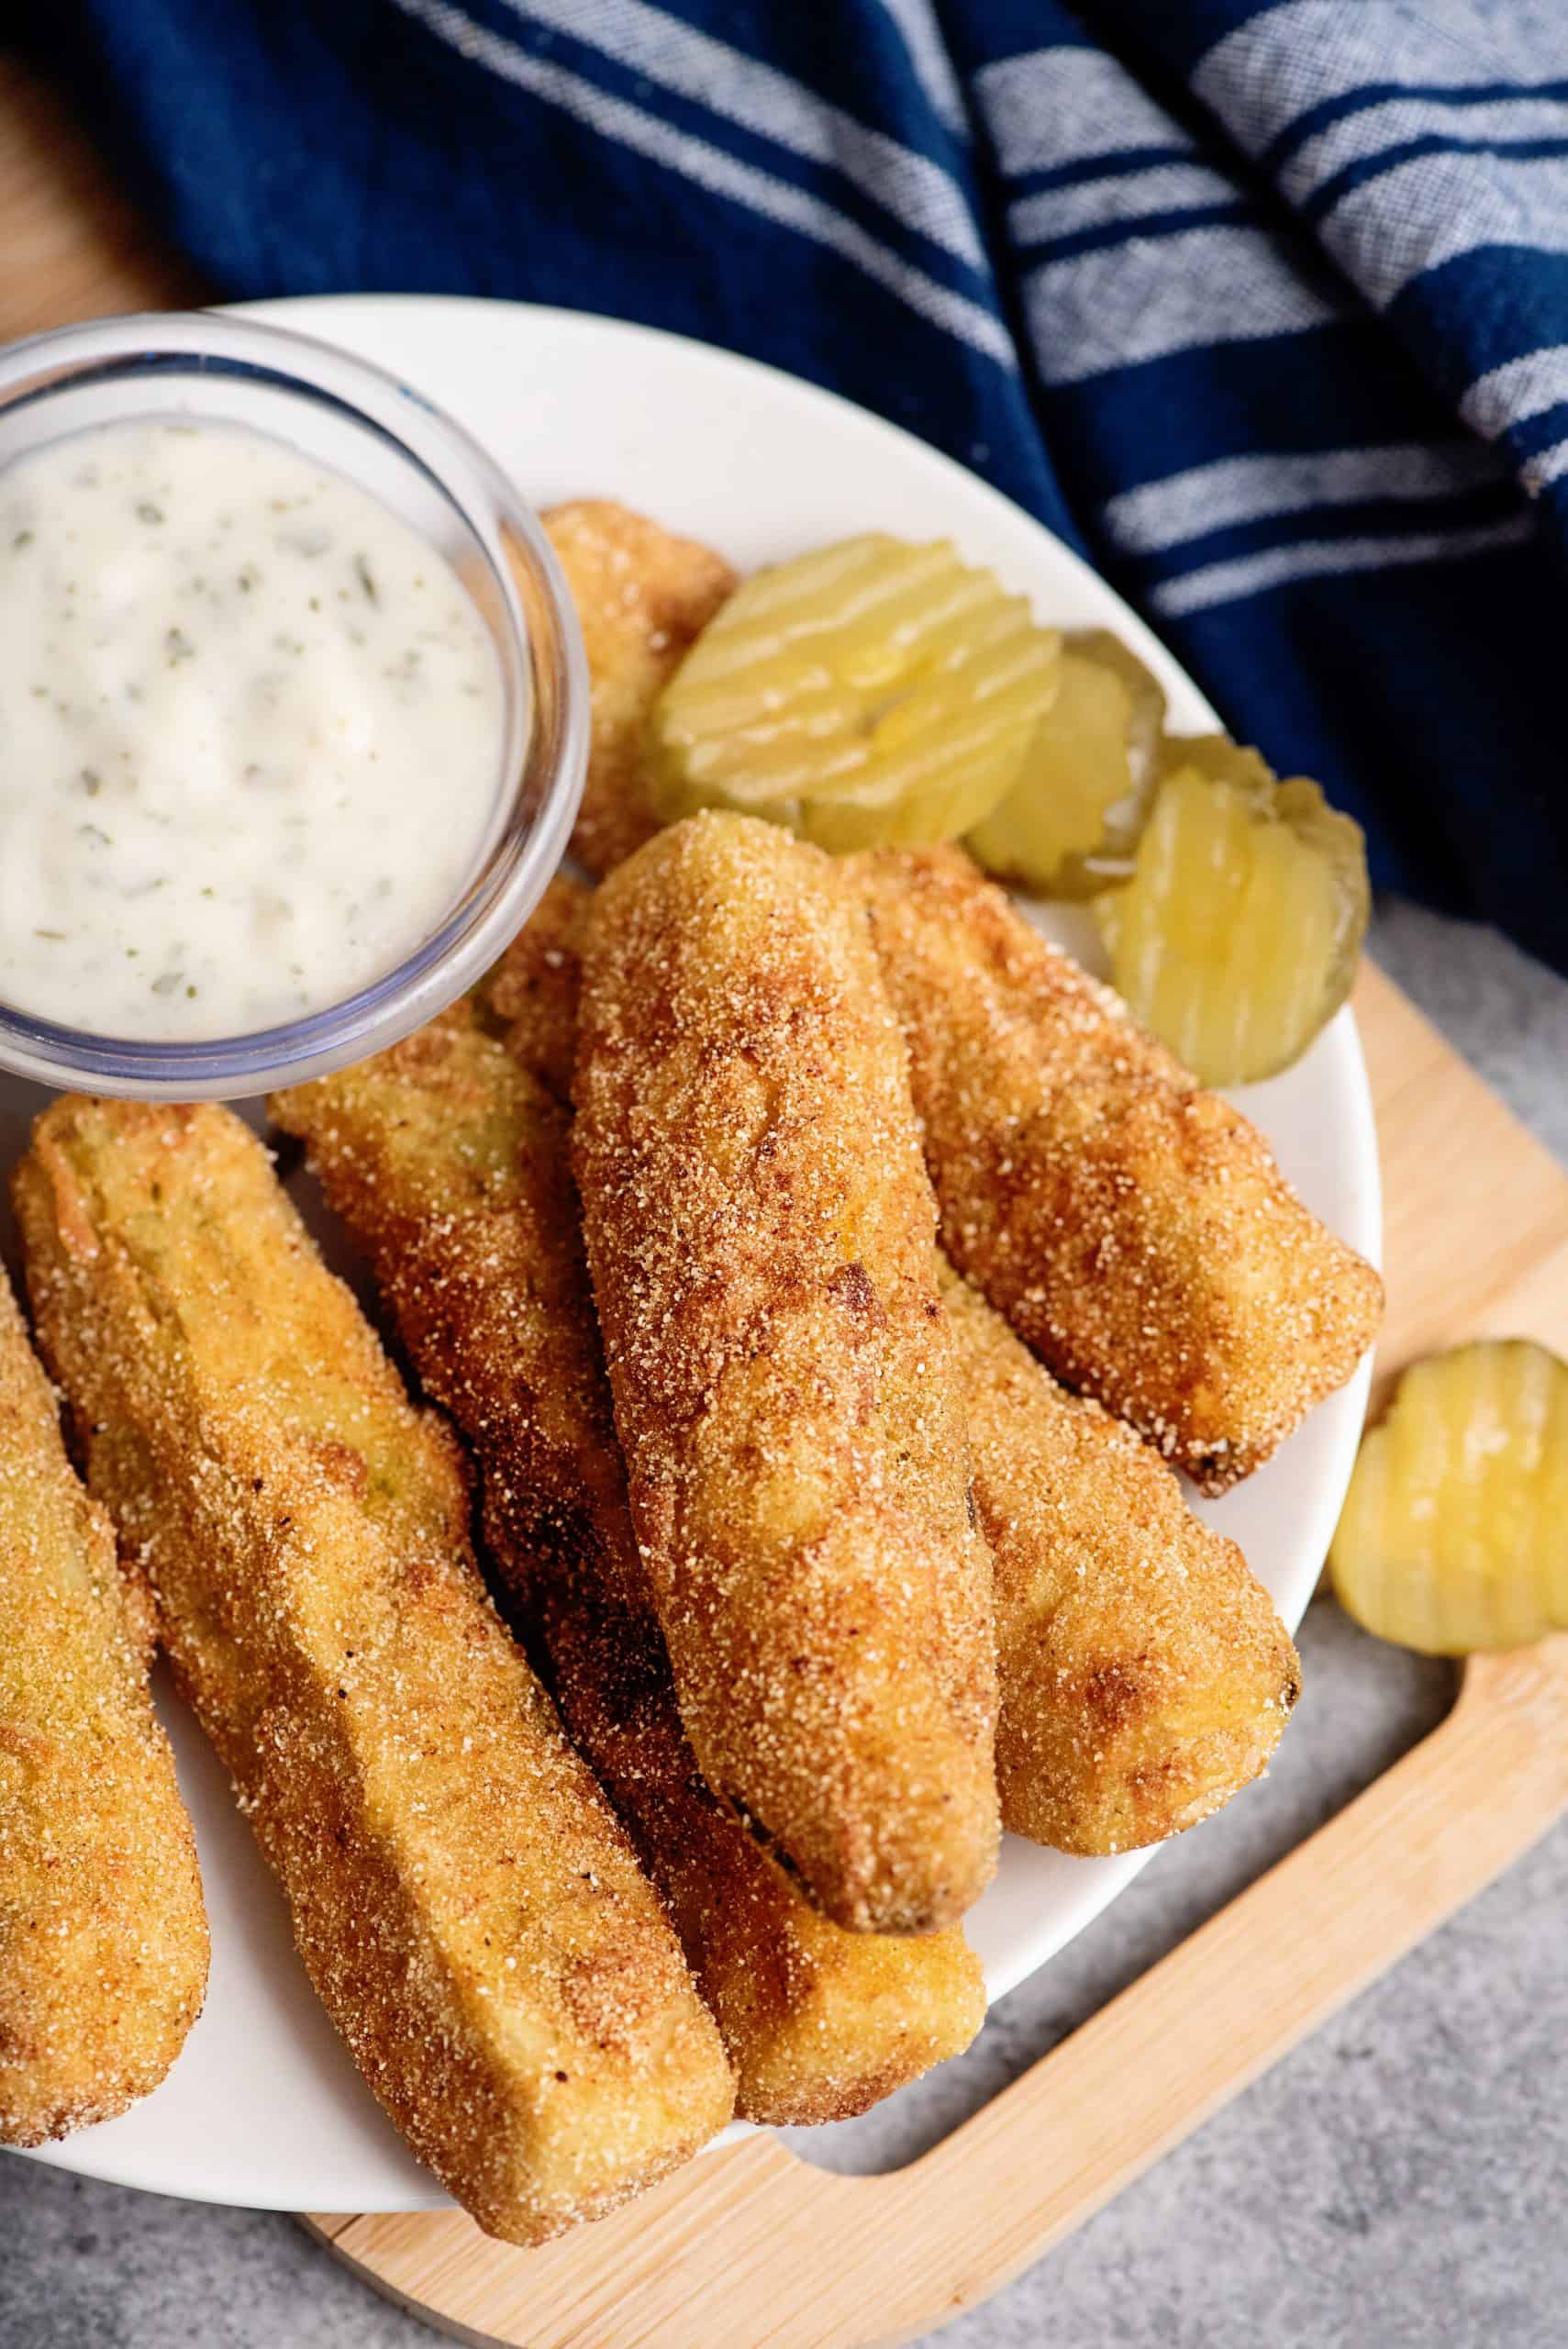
71	247
751	2248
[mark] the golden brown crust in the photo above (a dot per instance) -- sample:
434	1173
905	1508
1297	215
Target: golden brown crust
103	1934
466	1905
760	1229
643	596
448	1162
1134	1229
1145	1677
1009	1037
530	997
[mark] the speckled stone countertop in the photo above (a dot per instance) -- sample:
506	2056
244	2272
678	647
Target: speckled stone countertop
1400	2180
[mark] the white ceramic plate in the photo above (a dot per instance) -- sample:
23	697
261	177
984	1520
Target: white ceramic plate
263	2107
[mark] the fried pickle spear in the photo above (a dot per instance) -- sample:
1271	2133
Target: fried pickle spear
1133	1228
1145	1677
1163	1265
103	1934
759	1230
451	1165
643	596
532	992
467	1907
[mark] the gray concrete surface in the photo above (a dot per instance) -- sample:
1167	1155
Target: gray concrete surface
1399	2180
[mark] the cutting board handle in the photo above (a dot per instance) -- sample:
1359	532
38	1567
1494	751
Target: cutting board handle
752	2248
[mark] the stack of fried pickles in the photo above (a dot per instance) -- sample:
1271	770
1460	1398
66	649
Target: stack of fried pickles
817	1281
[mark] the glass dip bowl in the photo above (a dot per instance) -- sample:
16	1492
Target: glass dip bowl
367	427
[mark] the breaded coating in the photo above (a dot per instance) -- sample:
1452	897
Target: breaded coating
467	1906
643	596
1133	1228
103	1934
1145	1677
451	1165
531	994
760	1229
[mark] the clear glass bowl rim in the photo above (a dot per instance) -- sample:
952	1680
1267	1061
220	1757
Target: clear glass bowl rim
548	773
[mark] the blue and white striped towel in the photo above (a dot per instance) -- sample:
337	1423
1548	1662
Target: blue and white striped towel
1264	303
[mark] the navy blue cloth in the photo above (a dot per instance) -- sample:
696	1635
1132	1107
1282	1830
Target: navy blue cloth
1262	303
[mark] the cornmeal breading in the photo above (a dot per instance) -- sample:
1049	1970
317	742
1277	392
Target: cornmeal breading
1133	1228
102	1935
449	1162
642	595
532	991
1145	1677
468	1908
759	1230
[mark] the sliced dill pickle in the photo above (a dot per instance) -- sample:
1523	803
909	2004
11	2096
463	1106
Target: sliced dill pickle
1237	938
871	694
1454	1532
1218	758
1071	822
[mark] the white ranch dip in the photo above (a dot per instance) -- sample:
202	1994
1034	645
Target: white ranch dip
249	734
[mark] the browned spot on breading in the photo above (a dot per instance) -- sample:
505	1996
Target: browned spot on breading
851	1284
1113	1696
343	1465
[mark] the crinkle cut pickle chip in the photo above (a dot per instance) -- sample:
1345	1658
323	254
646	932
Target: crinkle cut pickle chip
1454	1532
871	694
1070	824
1236	938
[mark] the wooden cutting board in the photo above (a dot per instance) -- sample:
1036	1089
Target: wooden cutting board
749	2247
